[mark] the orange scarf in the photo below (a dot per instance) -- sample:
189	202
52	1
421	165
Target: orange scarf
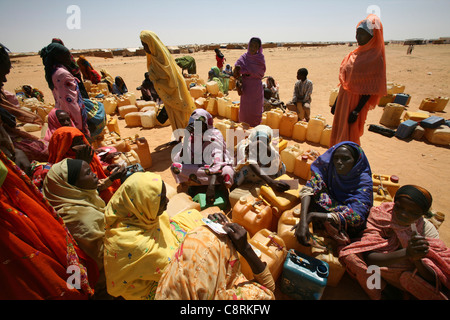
363	71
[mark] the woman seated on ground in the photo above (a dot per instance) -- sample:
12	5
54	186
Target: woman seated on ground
119	86
148	90
89	73
107	78
203	159
36	248
56	119
338	197
273	86
258	163
405	245
71	188
69	142
31	92
140	238
207	267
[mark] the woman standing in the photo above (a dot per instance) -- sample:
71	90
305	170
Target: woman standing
250	67
169	83
64	86
362	79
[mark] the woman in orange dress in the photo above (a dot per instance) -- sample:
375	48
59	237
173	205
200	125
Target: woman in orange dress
362	78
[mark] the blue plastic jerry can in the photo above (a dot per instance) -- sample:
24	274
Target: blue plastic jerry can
406	129
304	277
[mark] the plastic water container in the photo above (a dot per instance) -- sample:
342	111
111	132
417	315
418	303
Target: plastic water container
287	221
130	96
142	104
212	106
244	190
303	277
102	86
333	96
279	143
141	147
315	128
271	249
440	136
389	98
432	122
326	254
274	118
289	155
148	119
429	104
405	129
264	118
223	126
392	114
133	119
200	103
253	214
402	98
123	110
220	200
299	131
235	112
390	182
393	88
114	140
302	167
212	87
197	91
31	127
223	105
113	125
441	103
181	202
282	201
287	122
325	138
110	104
416	116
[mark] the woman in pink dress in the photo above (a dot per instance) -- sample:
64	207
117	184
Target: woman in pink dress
250	69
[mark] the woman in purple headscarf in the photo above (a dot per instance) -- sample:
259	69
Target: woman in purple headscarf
249	70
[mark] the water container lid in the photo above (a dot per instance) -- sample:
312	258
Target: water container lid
304	158
394	179
243	199
322	270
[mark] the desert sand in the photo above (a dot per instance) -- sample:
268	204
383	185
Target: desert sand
424	73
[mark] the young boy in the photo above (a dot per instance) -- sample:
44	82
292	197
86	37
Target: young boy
301	100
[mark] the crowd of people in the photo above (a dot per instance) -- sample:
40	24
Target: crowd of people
63	209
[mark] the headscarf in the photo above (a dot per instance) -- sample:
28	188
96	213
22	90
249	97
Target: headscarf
417	194
35	245
167	78
89	73
363	71
253	64
119	86
188	63
349	196
53	123
50	58
108	78
60	147
139	243
207	267
82	210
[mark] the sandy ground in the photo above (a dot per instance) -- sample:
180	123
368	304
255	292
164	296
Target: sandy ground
424	73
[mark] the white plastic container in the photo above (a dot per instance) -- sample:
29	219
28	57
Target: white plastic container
148	119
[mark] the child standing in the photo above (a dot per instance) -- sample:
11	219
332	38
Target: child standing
220	58
301	100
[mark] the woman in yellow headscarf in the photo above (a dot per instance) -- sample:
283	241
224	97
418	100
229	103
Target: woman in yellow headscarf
168	81
140	238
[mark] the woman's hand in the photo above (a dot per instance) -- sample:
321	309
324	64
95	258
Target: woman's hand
279	185
417	247
238	236
302	233
218	217
22	161
118	173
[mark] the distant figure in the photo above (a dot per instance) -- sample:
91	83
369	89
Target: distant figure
220	58
410	49
249	70
228	70
187	63
107	78
362	79
148	90
168	80
119	87
88	71
301	98
31	92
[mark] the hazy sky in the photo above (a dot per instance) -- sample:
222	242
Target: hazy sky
30	25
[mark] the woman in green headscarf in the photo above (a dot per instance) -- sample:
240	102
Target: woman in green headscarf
187	63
